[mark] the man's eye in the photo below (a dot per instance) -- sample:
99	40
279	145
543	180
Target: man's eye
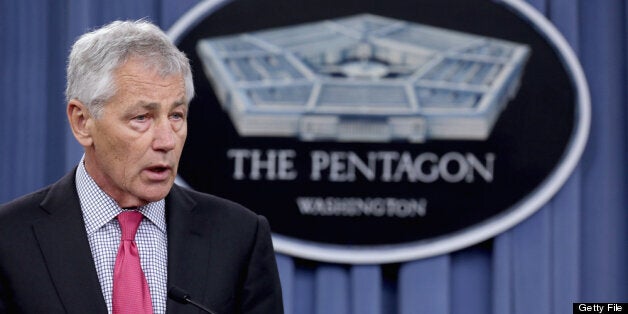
177	115
141	117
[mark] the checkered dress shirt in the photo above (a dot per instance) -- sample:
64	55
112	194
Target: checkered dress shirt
103	233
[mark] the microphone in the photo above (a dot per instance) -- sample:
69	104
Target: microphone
183	297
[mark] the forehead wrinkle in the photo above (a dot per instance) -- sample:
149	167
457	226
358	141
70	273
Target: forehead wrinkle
142	82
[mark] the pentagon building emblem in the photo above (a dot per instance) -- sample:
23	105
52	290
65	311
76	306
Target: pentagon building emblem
363	78
381	131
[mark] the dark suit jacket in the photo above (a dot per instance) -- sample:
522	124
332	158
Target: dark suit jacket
218	251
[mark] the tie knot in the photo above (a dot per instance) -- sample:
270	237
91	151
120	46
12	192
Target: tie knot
129	222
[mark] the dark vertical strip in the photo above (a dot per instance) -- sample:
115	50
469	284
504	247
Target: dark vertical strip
564	15
304	287
24	89
566	244
390	278
332	289
604	223
425	285
471	280
625	136
502	270
567	206
56	119
286	267
8	54
531	271
366	289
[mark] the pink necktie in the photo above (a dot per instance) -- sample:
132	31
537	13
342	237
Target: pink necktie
130	289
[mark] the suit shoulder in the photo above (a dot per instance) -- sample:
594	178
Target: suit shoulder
23	204
17	215
31	206
222	206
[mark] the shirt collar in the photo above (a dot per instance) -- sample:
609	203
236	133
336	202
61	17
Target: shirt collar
99	208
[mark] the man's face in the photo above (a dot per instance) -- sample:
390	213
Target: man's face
138	139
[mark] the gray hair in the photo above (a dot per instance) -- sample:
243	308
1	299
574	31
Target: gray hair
97	54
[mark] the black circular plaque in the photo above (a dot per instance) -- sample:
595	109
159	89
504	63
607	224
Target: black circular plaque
502	118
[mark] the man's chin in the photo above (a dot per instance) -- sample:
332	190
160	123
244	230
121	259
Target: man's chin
152	194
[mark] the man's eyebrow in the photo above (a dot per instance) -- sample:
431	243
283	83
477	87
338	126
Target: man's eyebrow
150	106
130	110
180	102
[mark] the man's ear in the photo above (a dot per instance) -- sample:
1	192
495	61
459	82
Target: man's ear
80	122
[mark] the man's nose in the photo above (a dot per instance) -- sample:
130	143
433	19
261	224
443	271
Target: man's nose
164	136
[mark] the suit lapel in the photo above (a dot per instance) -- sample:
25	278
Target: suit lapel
63	242
188	248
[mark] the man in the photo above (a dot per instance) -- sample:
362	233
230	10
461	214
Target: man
73	247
